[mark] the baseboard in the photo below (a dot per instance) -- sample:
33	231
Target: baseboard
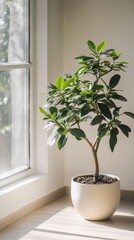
32	207
125	195
68	190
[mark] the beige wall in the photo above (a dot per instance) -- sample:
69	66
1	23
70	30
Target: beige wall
113	22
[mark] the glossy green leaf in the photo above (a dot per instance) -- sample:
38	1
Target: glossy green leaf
113	138
78	138
99	96
130	114
62	141
114	81
77	132
86	92
67	83
84	58
97	87
53	110
61	130
125	129
119	97
59	83
116	122
116	113
101	46
103	132
81	70
64	113
42	111
91	45
112	104
85	110
97	119
105	110
102	126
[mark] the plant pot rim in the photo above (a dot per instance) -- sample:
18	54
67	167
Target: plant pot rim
97	185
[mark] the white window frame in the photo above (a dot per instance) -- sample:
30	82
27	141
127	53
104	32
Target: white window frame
23	172
45	180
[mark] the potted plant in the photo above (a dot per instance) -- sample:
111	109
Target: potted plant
89	96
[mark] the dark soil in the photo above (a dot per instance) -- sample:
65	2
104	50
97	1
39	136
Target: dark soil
90	179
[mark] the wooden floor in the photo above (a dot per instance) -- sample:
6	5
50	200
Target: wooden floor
60	221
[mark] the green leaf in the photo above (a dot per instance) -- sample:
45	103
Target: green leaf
42	111
59	83
82	70
53	110
78	133
67	83
97	87
113	138
78	138
101	46
119	97
85	110
114	81
130	114
86	92
116	122
108	51
123	62
97	119
62	141
99	96
105	110
102	126
125	129
84	58
112	104
116	112
103	132
64	113
91	45
61	130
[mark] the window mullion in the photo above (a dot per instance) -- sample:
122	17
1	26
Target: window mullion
9	66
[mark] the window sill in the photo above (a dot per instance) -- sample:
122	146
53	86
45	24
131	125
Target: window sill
21	193
20	183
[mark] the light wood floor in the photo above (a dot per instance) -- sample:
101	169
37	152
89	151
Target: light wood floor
60	221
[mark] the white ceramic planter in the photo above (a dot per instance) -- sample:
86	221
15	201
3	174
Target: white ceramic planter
96	202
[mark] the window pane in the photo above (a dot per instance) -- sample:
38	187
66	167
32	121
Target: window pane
14	122
13	30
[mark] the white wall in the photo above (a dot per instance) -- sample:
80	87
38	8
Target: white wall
113	22
49	66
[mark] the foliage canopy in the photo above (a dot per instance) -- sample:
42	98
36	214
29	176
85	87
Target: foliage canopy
73	99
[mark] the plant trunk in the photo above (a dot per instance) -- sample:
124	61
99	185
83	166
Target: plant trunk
96	164
94	151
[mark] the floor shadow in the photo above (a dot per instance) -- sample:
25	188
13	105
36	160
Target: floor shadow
32	221
86	236
119	221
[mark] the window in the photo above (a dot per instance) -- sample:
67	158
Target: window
15	74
